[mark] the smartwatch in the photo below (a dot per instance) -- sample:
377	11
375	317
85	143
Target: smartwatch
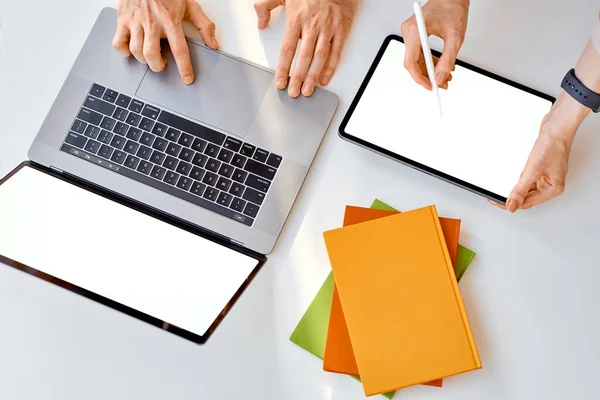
580	92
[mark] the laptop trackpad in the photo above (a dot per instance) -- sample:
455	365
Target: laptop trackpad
227	93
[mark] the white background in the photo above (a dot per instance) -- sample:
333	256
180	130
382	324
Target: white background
483	135
531	295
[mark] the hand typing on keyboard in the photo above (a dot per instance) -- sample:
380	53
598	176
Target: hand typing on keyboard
143	23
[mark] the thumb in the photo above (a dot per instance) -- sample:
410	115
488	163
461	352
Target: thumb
204	24
263	10
520	191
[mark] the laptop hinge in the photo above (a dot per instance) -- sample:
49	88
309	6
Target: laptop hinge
236	242
60	171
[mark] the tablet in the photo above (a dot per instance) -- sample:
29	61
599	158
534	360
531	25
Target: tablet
480	142
130	259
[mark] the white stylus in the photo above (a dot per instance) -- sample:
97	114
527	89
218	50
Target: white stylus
427	51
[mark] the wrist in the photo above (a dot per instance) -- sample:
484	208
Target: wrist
564	118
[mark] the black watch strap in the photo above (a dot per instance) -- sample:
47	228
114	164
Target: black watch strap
580	92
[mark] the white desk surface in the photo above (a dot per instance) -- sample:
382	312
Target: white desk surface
532	295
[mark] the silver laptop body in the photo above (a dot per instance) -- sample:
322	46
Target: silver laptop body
113	117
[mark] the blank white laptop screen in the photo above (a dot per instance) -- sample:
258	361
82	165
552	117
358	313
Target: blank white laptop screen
484	136
118	253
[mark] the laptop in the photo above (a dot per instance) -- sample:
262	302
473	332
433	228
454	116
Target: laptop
142	170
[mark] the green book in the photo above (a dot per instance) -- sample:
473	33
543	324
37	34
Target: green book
311	332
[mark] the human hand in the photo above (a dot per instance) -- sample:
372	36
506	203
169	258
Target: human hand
143	23
323	26
545	173
446	19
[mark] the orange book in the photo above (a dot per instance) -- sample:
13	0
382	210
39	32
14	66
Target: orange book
339	356
400	301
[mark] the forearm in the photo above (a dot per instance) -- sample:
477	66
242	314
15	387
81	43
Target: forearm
567	113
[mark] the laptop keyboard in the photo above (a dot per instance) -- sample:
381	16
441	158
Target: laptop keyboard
173	154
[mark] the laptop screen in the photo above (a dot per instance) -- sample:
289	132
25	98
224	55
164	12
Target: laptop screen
484	136
113	251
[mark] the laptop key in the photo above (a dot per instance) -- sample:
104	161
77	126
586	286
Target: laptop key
211	194
197	188
105	136
261	155
121	114
134	119
110	95
100	106
274	160
225	155
123	100
224	184
199	145
147	139
247	150
184	168
237	189
92	131
239	175
260	169
92	146
97	90
159	129
132	162
136	106
108	123
146	124
173	134
210	179
173	149
258	183
200	160
232	144
144	152
211	150
213	165
186	154
158	172
160	144
90	116
251	210
171	178
238	160
197	173
79	126
105	151
171	163
121	128
145	167
157	157
150	111
185	140
253	196
184	183
238	204
226	170
118	142
76	140
118	157
134	134
224	199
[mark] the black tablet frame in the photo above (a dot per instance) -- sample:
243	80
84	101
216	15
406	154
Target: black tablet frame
421	167
155	213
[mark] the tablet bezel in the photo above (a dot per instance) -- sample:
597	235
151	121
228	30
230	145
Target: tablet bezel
421	167
154	213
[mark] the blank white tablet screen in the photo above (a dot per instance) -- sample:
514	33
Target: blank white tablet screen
116	252
484	136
